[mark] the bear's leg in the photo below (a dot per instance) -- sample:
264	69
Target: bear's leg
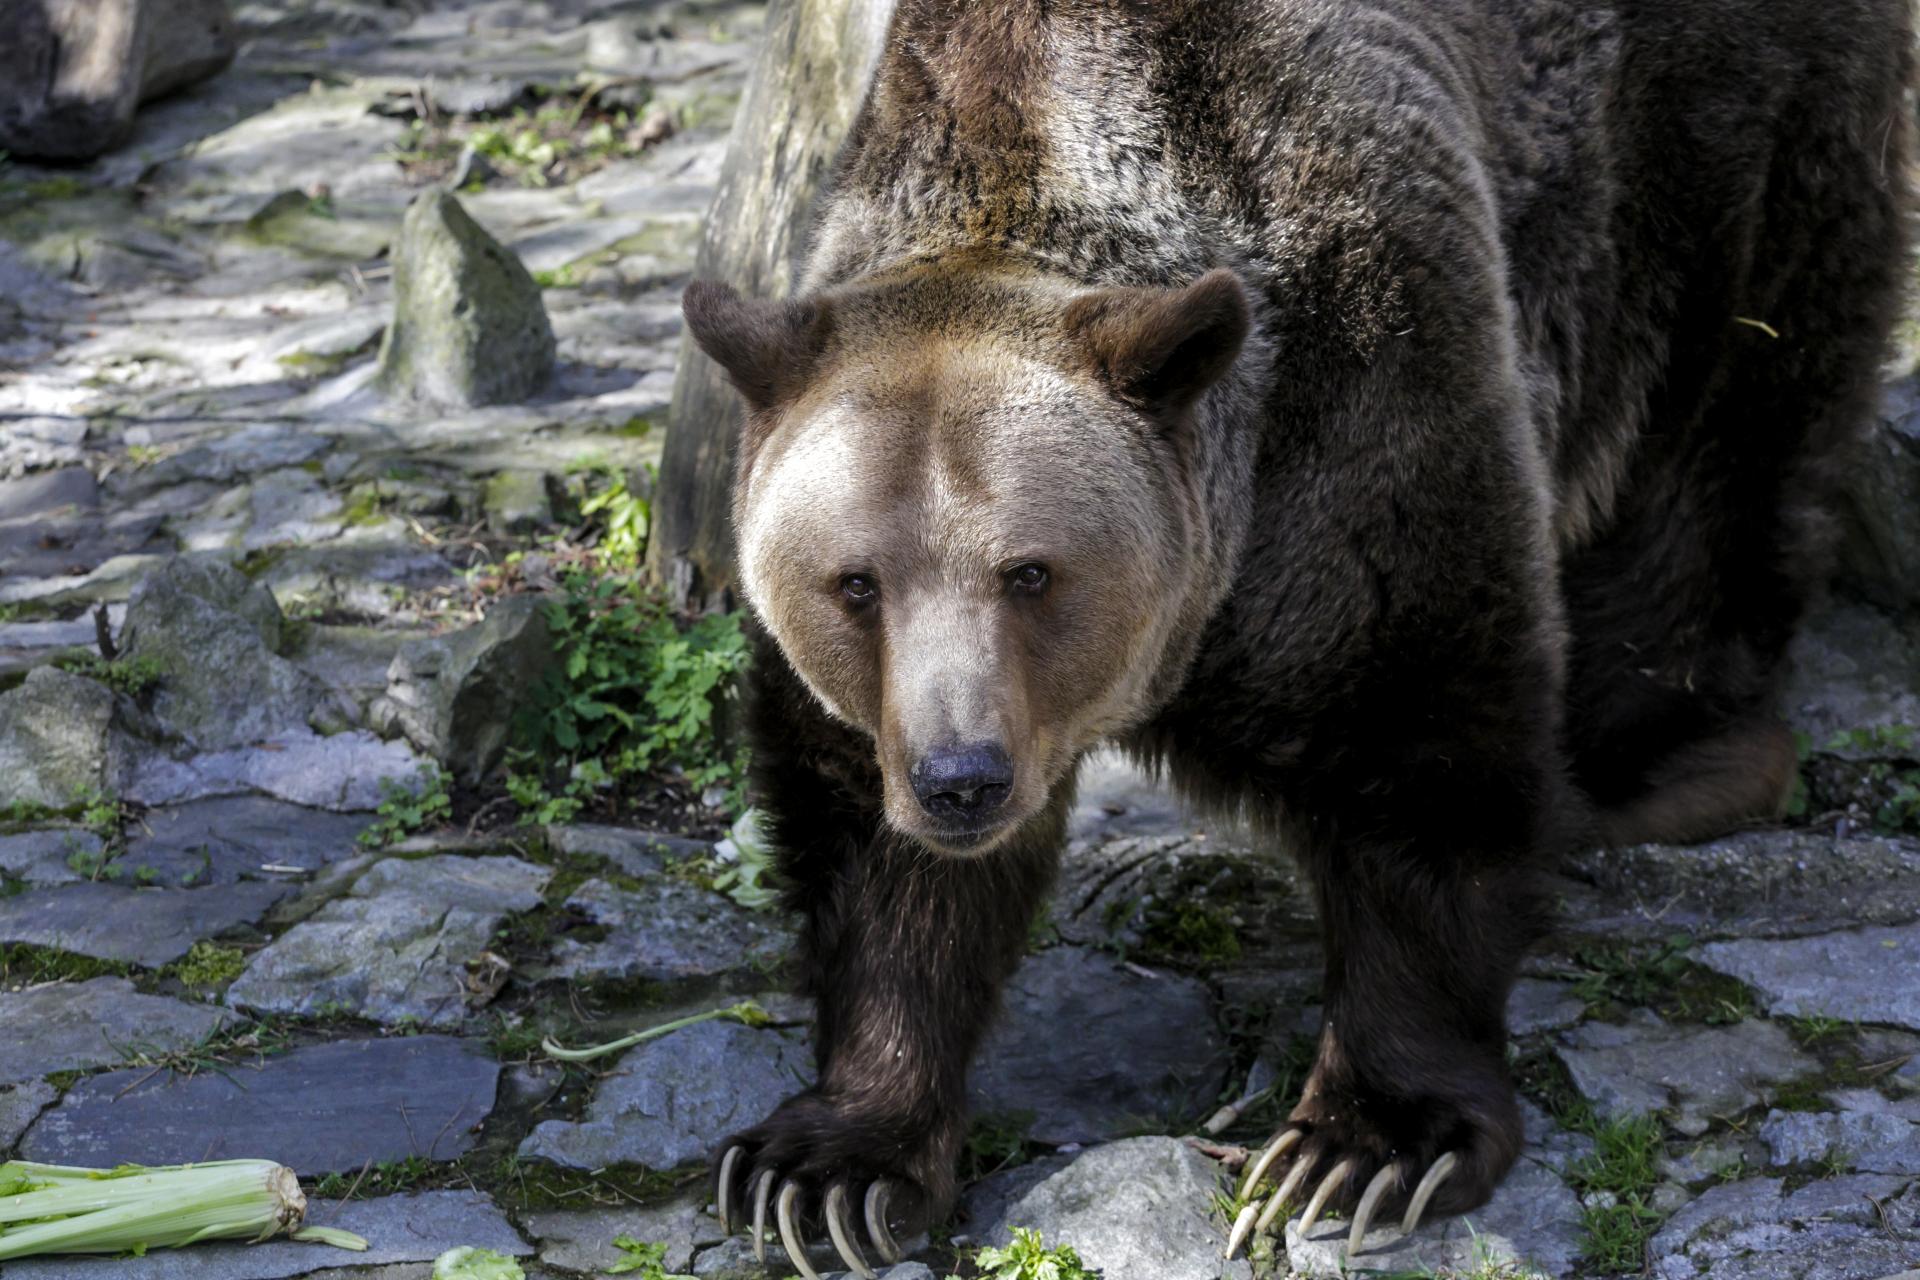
907	951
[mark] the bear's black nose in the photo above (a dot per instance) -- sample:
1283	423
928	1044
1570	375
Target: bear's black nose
961	786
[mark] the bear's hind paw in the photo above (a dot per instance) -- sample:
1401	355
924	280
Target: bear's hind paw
789	1212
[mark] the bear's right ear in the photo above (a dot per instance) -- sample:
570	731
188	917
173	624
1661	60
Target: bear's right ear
768	349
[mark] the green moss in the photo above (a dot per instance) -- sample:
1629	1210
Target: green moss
1199	932
23	964
530	1186
209	965
132	676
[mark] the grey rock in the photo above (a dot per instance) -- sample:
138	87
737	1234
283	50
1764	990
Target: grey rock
58	743
149	927
397	947
66	1026
1093	1049
469	327
43	493
222	840
641	854
352	662
320	1109
1560	1150
1853	668
517	502
73	72
398	1229
1831	1229
1760	884
733	1260
667	1102
291	506
291	219
1134	1210
1542	1006
1531	1226
582	1240
1880	547
1113	797
1865	975
458	696
1692	1074
344	772
1868	1134
215	637
666	931
20	1105
45	856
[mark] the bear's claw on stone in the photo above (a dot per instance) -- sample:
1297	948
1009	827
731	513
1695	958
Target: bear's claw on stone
841	1232
837	1210
723	1192
1256	1217
878	1196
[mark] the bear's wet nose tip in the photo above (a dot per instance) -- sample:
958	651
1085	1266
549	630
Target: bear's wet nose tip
963	785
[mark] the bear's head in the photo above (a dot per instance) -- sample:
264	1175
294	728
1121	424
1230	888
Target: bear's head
969	510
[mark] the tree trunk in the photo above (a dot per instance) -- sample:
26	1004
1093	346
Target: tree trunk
807	85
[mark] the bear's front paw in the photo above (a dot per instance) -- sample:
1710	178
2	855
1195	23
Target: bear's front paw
857	1170
1372	1155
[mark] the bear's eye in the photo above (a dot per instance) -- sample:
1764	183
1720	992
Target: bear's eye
859	589
1029	579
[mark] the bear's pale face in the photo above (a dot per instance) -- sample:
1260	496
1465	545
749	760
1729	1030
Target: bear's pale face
959	549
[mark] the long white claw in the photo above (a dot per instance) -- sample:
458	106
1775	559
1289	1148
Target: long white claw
1275	1149
723	1195
878	1194
1369	1201
843	1244
789	1237
1323	1193
1242	1228
762	1191
1424	1192
1296	1176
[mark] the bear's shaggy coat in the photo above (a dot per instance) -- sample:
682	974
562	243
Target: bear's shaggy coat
1460	379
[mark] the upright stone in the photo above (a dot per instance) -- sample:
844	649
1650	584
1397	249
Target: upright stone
57	741
72	72
469	327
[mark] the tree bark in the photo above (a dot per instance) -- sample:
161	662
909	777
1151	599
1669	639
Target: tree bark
811	77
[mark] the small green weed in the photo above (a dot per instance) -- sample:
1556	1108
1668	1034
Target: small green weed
405	810
647	1261
1197	931
1027	1258
22	964
131	676
624	518
995	1142
1818	1028
1625	1166
1629	976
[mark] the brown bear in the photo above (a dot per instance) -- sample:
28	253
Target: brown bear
1405	423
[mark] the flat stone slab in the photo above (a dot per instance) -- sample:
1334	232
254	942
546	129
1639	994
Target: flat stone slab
1542	1006
45	856
149	927
1141	1209
1532	1226
20	1105
1691	1074
1868	1134
342	772
666	931
1092	1049
639	853
670	1101
416	1228
326	1108
220	841
1863	975
67	1026
397	946
582	1239
1858	1227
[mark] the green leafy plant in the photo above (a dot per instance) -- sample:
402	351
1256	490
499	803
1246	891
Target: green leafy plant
647	1261
1027	1258
633	690
404	810
625	519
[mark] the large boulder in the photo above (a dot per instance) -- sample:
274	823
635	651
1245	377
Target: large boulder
214	637
469	327
456	696
58	743
72	72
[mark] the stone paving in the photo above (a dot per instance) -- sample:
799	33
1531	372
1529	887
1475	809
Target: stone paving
198	461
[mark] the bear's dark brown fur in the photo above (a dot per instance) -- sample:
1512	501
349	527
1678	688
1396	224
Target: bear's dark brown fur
1463	512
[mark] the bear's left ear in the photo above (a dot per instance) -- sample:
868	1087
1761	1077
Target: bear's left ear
769	349
1160	348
